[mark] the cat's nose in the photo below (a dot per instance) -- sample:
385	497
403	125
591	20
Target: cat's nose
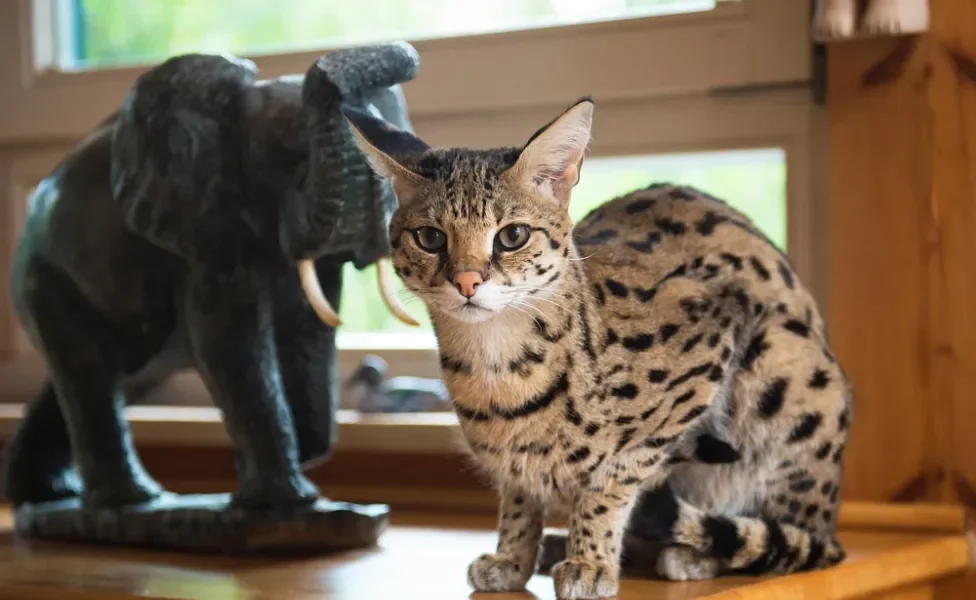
467	282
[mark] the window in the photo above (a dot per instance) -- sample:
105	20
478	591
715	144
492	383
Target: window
100	33
712	93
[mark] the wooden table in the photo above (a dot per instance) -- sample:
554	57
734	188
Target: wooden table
896	552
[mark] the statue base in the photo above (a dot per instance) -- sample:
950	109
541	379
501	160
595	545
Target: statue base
207	523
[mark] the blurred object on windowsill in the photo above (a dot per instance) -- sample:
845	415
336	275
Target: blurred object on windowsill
371	392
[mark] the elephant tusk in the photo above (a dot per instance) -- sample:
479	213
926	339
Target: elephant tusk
383	269
313	291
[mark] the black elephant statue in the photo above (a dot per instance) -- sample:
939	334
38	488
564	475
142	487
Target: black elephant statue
204	225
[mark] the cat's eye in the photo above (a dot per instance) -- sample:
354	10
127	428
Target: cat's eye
430	239
513	237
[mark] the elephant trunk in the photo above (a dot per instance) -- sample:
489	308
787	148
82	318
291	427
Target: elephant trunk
326	215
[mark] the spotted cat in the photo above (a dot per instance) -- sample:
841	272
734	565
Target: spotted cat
659	369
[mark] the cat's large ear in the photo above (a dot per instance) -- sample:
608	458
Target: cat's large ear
380	141
550	161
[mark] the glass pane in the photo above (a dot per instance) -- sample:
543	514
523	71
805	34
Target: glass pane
753	181
99	33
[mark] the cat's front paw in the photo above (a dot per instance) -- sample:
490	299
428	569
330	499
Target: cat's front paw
577	579
497	573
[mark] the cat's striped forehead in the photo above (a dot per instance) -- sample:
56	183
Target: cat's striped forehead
464	183
443	164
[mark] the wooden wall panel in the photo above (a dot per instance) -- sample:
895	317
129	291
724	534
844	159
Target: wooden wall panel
875	102
952	102
902	259
902	255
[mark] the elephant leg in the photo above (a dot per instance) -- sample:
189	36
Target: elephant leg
37	465
229	319
83	358
308	362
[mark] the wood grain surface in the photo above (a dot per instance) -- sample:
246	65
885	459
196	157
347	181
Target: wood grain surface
425	556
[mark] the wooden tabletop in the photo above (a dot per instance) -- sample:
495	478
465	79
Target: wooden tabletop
426	556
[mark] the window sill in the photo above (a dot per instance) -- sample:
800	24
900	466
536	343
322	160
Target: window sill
201	426
178	415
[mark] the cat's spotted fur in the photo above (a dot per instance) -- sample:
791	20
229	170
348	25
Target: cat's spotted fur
661	367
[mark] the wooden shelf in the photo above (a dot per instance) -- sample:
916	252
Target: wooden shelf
185	416
202	427
896	552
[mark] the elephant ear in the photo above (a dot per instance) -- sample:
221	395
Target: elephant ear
176	170
384	145
341	211
386	107
377	208
328	216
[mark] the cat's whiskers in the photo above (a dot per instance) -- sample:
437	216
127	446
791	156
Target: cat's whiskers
518	306
522	303
411	302
428	297
407	296
525	288
576	259
549	300
525	299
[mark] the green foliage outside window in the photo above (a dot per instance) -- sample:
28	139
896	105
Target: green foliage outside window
112	32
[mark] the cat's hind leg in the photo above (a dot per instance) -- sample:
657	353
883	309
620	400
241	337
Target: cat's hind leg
774	511
793	405
681	366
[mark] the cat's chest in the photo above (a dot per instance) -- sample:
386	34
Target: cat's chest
500	367
496	392
528	455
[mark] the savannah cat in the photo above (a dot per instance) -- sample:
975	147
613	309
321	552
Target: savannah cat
659	368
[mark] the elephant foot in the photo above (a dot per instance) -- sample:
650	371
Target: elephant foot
275	492
121	493
36	490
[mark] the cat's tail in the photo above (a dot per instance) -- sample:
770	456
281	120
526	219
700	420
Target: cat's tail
739	544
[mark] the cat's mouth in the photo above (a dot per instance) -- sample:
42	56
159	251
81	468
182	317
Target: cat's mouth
471	312
472	308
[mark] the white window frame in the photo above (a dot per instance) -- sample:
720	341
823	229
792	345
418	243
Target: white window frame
735	77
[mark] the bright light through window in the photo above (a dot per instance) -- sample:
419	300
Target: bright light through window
103	33
753	181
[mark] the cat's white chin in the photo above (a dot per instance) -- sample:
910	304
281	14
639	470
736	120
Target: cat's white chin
472	313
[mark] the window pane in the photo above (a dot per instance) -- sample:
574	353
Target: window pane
98	33
753	181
